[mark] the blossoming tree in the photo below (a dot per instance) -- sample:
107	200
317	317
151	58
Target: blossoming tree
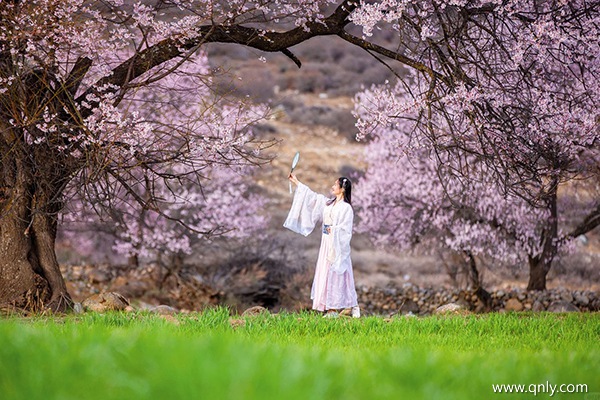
502	117
85	108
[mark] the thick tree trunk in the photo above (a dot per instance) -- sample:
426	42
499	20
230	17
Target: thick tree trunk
30	277
20	285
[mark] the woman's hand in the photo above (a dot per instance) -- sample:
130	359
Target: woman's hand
293	179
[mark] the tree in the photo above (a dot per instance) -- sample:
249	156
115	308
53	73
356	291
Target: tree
506	111
408	199
73	76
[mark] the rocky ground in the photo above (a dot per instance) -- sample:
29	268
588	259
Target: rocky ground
193	291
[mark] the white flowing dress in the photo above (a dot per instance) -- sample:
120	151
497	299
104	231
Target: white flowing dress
333	285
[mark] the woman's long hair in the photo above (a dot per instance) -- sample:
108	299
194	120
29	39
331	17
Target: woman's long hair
346	186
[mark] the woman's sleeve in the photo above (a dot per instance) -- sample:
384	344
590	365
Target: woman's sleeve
342	234
307	210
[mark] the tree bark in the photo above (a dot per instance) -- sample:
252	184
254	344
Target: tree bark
20	285
30	277
540	265
538	271
483	295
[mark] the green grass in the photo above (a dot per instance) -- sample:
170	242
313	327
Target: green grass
296	356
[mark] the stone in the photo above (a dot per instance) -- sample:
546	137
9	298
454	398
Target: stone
236	323
582	299
163	310
538	306
256	310
105	301
171	319
513	305
410	306
562	306
567	297
450	308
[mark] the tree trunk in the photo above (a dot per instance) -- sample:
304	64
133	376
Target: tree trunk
483	295
30	276
538	270
539	265
20	285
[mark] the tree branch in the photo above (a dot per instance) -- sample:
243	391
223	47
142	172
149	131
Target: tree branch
172	48
393	55
589	223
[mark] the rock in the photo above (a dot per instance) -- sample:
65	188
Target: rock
450	308
562	306
513	305
236	323
171	319
582	299
163	310
567	297
256	310
410	306
538	306
106	301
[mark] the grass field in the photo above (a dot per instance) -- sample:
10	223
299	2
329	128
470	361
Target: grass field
298	356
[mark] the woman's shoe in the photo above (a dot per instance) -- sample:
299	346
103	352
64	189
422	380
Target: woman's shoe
356	312
331	314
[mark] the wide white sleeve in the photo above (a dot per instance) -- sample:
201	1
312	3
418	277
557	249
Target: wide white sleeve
307	210
342	235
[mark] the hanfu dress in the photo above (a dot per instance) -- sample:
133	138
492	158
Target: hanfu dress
333	284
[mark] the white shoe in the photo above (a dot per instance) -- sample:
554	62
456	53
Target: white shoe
356	312
332	314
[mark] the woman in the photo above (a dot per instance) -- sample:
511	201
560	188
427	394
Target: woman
333	286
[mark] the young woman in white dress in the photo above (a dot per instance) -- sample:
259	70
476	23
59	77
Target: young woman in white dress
333	286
